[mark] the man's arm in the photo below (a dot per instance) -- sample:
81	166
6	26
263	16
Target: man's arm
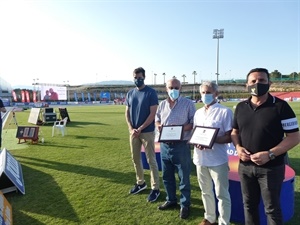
290	141
243	154
150	118
127	117
226	138
188	127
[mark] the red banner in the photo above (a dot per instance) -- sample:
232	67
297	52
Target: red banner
14	95
27	96
23	96
34	96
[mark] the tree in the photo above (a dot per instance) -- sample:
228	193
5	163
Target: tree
293	76
164	74
183	76
276	75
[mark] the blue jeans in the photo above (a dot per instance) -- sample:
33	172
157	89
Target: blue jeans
176	157
262	182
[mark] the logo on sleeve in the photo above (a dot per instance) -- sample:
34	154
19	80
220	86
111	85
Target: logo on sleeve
289	124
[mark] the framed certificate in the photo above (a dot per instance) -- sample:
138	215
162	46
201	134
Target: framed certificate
171	133
204	136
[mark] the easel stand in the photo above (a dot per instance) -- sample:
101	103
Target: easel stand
28	133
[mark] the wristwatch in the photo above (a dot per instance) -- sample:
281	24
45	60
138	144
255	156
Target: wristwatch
271	155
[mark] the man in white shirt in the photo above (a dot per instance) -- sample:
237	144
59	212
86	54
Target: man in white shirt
212	164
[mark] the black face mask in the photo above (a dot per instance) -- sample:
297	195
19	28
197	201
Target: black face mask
139	82
258	89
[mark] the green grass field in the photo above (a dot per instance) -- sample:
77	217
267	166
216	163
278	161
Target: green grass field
84	178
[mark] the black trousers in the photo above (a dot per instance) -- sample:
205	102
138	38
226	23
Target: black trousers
257	182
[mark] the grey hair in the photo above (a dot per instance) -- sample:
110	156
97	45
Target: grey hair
211	84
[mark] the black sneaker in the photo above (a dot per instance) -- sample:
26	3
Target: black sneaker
153	195
138	188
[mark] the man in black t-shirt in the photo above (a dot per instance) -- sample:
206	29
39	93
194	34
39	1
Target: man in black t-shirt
264	129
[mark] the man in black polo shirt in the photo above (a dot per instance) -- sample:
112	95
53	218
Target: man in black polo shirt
264	129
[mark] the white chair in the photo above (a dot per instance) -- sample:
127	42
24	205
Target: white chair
60	126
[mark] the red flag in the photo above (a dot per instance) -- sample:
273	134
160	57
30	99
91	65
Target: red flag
34	96
23	96
27	96
14	95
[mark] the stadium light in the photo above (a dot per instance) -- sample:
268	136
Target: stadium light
217	34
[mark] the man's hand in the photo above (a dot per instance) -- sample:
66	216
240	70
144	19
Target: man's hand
243	153
260	158
134	132
199	147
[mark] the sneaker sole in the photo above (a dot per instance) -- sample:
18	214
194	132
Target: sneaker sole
143	188
153	200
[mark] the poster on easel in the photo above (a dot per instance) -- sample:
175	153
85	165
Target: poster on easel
34	115
64	113
28	133
11	175
5	211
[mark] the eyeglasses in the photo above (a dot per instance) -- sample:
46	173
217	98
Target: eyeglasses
171	88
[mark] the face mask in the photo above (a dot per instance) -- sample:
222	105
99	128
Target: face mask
173	94
258	89
139	82
207	99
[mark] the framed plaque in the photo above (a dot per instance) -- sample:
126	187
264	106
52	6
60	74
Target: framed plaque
204	136
171	133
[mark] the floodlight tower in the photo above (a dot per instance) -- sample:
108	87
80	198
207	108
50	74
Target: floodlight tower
217	34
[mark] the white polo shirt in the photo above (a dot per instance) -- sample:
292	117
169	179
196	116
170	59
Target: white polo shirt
219	116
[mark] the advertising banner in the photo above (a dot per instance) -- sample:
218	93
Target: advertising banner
53	93
105	95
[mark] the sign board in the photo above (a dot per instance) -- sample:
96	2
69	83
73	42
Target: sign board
27	132
34	115
64	113
11	175
53	93
5	211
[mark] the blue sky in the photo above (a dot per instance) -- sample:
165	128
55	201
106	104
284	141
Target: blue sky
87	41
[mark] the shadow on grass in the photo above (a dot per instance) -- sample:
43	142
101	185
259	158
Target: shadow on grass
98	138
113	176
43	202
46	188
23	217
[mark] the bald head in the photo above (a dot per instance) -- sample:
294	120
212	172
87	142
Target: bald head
173	84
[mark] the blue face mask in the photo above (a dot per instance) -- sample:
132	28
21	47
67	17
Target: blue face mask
139	82
207	99
173	94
